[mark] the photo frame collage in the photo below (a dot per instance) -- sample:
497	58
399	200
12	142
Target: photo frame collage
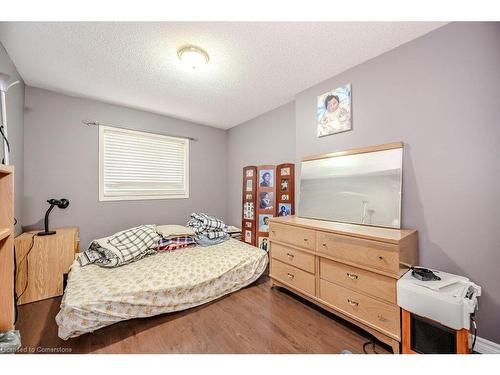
268	191
248	198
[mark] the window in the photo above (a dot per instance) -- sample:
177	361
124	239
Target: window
137	165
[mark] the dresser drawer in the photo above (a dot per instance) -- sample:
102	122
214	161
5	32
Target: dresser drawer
293	257
293	276
293	235
379	314
358	280
378	255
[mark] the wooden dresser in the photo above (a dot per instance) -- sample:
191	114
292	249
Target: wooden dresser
348	269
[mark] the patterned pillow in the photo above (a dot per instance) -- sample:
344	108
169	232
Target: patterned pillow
172	231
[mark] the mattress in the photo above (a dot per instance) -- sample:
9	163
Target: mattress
97	297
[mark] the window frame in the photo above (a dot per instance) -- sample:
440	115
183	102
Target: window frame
104	198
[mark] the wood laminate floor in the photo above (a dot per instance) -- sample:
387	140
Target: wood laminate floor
256	319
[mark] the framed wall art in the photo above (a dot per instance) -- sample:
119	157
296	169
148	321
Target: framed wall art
333	111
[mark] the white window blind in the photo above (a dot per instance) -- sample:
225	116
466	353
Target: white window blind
139	165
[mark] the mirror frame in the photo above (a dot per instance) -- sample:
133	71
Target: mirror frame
362	150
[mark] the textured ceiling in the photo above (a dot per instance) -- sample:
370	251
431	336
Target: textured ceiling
254	67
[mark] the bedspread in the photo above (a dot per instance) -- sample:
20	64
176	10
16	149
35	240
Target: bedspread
96	297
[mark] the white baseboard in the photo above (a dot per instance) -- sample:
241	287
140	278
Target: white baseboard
484	346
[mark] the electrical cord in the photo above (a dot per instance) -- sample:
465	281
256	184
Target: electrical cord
373	343
15	276
15	293
475	333
5	139
17	298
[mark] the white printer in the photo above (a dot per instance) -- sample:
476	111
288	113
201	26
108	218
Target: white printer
448	301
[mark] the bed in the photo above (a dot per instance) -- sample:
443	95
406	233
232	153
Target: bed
97	297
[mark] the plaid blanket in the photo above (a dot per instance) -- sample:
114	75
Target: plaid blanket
202	223
136	240
169	244
123	247
208	226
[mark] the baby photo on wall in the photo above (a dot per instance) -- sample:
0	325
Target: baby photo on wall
333	111
284	209
266	201
264	222
266	178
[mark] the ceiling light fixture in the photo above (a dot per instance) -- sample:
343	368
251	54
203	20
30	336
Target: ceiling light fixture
193	56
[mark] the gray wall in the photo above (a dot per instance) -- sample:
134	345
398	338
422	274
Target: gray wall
61	160
15	114
267	139
440	94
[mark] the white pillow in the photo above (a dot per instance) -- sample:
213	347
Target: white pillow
170	231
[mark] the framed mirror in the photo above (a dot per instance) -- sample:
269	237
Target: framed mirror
361	186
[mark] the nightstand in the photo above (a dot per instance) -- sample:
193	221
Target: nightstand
46	264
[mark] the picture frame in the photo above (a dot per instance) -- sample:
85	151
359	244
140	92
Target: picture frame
266	200
284	209
249	185
248	236
248	211
266	178
264	222
333	111
263	243
284	184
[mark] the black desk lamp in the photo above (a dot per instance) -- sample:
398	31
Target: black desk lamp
61	203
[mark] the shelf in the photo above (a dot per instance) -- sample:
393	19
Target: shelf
6	169
4	232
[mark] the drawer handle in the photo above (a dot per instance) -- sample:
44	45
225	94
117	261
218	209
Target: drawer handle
306	239
290	276
381	318
323	244
352	276
290	255
352	303
380	257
